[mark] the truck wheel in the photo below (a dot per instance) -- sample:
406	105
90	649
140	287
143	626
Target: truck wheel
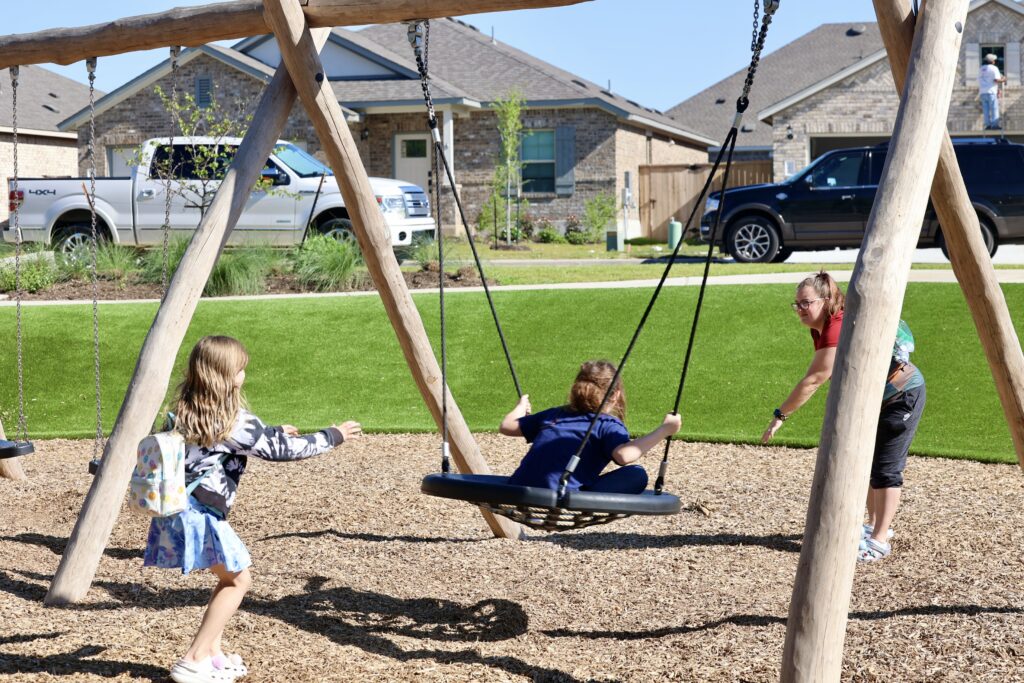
338	228
753	239
782	255
68	239
987	234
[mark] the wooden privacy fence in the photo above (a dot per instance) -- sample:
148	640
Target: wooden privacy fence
671	190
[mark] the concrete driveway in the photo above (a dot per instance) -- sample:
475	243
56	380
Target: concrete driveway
1006	254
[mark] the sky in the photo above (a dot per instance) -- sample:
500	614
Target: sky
656	52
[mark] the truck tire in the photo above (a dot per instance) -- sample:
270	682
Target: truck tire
69	238
987	234
782	255
752	239
338	228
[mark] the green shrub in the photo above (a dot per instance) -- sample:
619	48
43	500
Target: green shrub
577	233
643	241
548	234
598	212
424	253
485	221
116	262
37	272
325	264
73	266
241	271
153	260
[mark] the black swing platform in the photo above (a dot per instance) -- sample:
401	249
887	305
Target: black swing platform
15	449
540	508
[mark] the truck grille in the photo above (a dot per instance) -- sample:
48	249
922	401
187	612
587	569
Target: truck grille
416	205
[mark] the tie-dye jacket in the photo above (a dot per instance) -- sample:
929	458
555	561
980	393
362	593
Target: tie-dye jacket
249	437
903	375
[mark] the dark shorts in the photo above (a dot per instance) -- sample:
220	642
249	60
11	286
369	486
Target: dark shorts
896	428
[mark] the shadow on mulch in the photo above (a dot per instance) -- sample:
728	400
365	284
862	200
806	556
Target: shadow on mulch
56	545
76	663
615	541
345	615
760	620
373	538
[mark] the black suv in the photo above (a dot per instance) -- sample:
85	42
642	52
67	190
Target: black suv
826	205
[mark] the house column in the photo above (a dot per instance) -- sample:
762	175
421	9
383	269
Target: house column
449	211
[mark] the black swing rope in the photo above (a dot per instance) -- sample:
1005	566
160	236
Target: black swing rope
727	148
419	39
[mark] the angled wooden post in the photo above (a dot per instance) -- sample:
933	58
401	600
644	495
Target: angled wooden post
286	19
971	262
156	359
10	468
816	627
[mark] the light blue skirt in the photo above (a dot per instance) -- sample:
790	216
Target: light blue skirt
194	539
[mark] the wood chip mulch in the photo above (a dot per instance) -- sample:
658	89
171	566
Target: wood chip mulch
359	577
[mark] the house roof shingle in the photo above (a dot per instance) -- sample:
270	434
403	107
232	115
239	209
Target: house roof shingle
44	99
485	69
809	59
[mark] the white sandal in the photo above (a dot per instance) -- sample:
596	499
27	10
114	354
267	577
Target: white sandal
231	664
203	671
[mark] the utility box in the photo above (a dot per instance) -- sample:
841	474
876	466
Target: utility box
615	240
675	233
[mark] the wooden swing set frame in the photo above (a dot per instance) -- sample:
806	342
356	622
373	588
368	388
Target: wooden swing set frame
923	52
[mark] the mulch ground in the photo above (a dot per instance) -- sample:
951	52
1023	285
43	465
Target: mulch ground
359	577
133	287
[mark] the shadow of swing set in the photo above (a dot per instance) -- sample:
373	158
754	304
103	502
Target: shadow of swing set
922	49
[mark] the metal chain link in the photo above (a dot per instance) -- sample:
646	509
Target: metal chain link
175	51
21	431
97	447
755	58
757	21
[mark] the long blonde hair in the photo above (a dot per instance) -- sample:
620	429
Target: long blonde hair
826	288
208	400
592	382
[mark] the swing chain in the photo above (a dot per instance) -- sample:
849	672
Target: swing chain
22	428
419	38
175	51
756	47
90	65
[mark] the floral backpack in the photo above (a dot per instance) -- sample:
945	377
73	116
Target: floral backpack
158	484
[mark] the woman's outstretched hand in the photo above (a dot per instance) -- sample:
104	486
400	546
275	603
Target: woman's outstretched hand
773	427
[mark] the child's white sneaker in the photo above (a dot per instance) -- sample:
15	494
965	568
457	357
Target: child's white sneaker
202	671
866	530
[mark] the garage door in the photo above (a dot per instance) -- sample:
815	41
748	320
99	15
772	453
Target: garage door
826	144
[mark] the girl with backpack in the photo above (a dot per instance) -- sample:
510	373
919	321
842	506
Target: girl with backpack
220	434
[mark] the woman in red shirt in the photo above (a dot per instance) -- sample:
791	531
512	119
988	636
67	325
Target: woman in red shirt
820	303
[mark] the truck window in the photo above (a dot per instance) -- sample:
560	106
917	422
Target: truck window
839	170
192	162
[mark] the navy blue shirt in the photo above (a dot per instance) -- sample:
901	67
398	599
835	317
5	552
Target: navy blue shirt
556	435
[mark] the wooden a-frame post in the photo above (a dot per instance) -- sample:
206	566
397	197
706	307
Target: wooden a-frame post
971	261
298	54
10	468
816	628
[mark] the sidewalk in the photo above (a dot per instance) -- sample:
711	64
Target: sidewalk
936	276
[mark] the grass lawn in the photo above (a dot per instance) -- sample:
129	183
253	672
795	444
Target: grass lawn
459	249
315	361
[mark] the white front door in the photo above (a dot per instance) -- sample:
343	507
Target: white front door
412	158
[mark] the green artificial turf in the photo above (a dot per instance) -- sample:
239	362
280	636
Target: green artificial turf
322	360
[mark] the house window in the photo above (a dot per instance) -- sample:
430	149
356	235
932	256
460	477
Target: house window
414	149
204	92
538	155
999	51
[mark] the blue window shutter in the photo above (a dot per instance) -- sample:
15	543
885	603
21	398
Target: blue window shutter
204	91
565	160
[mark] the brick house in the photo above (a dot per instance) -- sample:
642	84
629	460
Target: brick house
833	88
44	99
579	139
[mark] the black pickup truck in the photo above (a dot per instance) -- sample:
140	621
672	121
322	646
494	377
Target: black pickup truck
826	205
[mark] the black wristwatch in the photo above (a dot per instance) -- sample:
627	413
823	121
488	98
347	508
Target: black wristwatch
780	415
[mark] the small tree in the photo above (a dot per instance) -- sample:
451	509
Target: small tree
209	161
506	175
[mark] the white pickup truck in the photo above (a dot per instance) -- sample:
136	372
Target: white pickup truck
300	191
